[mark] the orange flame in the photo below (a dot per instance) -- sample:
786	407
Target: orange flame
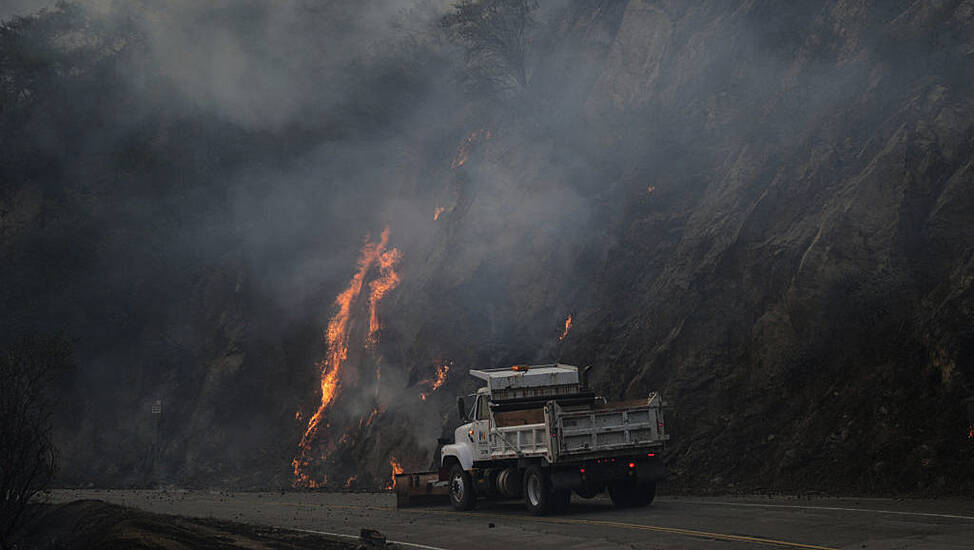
348	482
970	432
388	280
337	336
437	211
466	145
434	383
568	327
396	469
651	188
441	371
372	415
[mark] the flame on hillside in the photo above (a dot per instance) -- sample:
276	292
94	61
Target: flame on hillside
463	151
337	338
437	211
441	371
568	327
434	383
388	280
970	432
368	421
396	469
348	482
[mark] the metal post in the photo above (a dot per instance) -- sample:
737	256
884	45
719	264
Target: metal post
154	455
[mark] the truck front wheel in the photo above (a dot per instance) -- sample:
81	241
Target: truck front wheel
539	497
462	495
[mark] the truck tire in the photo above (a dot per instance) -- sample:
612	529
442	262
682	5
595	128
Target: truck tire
589	491
624	494
462	495
539	497
630	495
646	494
561	501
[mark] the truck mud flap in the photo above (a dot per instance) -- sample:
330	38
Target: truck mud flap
416	489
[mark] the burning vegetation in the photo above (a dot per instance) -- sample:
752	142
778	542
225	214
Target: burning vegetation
568	327
463	151
396	469
374	255
434	383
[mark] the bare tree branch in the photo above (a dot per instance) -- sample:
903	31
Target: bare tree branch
28	458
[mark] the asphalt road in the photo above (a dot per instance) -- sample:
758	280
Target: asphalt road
670	522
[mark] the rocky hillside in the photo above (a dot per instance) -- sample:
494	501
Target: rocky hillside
772	227
762	211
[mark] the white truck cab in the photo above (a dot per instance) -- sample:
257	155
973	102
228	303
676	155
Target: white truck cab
470	439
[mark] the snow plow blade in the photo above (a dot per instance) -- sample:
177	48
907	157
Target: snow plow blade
420	488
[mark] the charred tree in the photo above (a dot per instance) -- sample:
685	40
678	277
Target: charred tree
494	35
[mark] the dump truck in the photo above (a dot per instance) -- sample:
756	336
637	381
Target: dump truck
539	433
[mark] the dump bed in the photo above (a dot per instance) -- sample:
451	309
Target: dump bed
613	429
578	433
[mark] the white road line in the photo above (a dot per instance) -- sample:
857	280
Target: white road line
400	543
831	508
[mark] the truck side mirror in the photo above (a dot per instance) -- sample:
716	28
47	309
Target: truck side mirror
461	408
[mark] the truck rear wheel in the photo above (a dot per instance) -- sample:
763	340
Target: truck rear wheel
462	495
589	491
623	494
539	496
626	494
647	492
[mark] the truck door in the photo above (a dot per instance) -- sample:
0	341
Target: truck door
481	428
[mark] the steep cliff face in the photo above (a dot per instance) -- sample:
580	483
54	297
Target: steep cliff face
778	239
762	211
809	317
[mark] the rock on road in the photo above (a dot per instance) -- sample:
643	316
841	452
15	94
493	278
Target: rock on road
670	522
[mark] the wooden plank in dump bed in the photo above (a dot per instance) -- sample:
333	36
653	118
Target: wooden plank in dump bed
519	418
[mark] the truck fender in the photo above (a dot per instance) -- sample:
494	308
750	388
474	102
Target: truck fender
460	452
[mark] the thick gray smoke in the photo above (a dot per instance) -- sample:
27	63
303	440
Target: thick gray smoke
190	184
244	152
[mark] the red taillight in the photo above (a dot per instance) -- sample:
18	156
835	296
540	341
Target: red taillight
582	470
632	464
651	454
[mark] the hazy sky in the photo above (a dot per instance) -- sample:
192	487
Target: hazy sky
10	8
